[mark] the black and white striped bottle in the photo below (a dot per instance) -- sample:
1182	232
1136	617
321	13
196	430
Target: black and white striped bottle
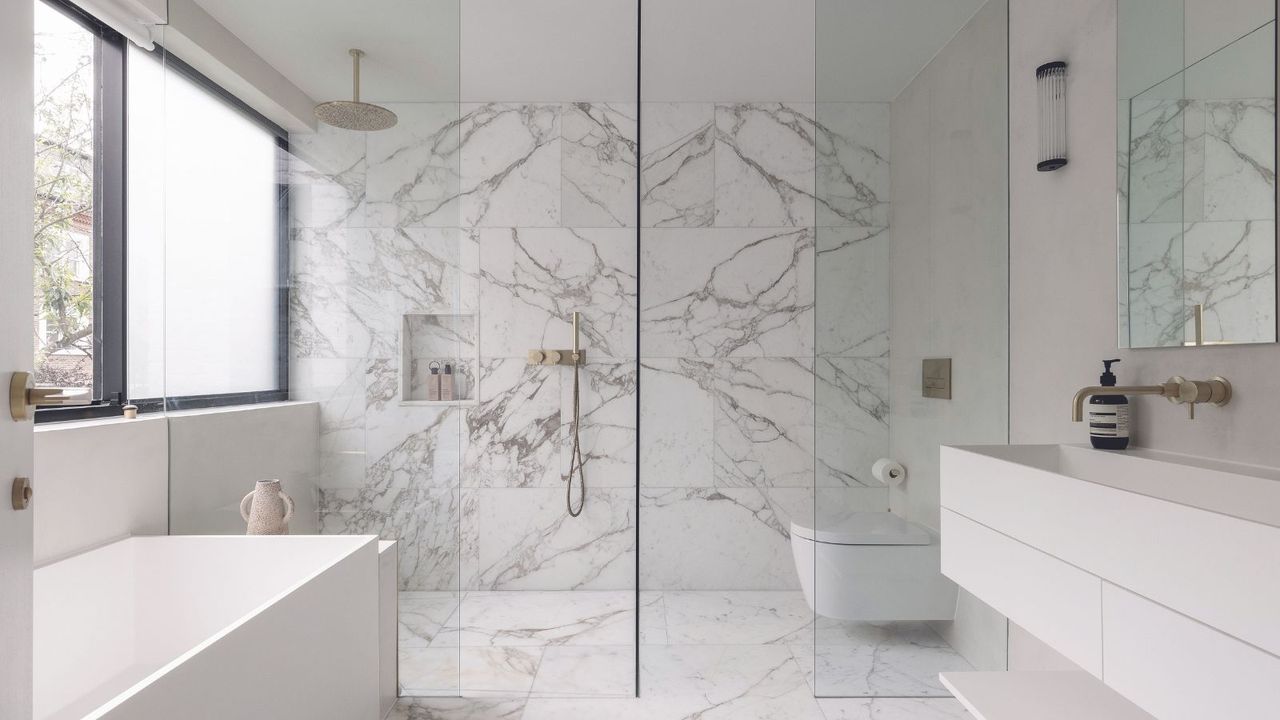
1109	415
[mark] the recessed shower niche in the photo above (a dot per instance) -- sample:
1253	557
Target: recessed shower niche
439	357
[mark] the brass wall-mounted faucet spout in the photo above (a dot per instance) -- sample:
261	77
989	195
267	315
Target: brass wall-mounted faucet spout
1178	390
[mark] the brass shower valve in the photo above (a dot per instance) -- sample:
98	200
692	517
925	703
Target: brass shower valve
556	357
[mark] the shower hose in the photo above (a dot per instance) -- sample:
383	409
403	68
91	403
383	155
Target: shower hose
575	457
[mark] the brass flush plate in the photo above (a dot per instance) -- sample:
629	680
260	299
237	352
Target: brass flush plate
936	378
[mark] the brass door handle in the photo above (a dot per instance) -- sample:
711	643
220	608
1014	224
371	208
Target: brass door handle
23	396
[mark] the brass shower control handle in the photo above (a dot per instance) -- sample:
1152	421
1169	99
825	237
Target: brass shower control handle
23	396
1216	391
557	357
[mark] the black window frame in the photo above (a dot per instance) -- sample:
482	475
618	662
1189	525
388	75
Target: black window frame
110	233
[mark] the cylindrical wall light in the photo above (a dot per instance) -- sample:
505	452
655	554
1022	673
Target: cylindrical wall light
1051	84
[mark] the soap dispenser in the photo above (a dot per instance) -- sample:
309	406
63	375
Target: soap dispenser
1109	415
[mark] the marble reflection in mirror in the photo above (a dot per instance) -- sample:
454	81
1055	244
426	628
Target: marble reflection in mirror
1196	152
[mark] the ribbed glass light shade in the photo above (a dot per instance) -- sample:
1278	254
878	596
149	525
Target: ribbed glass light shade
1051	85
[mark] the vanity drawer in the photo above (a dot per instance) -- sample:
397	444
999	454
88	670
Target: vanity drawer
1056	602
1178	669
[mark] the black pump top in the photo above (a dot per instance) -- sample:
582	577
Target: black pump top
1107	379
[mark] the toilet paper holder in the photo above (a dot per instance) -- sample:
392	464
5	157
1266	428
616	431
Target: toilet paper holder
889	472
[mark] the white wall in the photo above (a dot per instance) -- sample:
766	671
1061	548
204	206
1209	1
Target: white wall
99	481
949	269
102	480
1063	263
215	458
548	50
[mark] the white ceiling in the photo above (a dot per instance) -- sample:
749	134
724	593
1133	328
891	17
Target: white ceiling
411	45
559	50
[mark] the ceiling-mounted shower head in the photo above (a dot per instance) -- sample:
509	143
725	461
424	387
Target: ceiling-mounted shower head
353	114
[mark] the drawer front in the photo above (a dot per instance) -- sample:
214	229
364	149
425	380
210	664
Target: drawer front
1178	669
1058	603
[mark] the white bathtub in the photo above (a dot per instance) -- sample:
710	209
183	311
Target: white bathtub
210	627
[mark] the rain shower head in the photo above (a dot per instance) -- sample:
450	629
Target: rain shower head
353	114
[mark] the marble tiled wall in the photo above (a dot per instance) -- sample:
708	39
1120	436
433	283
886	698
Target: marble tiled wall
763	320
764	332
517	214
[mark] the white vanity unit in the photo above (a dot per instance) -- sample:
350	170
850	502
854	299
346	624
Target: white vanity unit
1157	573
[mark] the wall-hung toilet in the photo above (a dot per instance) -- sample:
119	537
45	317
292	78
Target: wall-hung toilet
873	567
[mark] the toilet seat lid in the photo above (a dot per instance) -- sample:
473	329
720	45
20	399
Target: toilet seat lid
866	528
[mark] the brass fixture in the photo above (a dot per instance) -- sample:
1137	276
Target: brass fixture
575	358
1177	389
24	396
22	493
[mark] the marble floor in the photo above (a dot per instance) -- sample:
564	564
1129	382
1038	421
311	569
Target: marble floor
705	655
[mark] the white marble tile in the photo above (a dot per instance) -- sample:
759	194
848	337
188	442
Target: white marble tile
338	386
677	406
408	445
764	419
893	659
893	709
678	165
350	286
598	142
653	618
607	410
423	520
524	539
424	615
1239	160
533	279
853	164
1230	268
538	618
1157	310
852	312
1156	160
765	159
510	162
727	293
327	178
737	618
513	435
586	671
473	671
725	682
413	176
852	412
446	708
725	538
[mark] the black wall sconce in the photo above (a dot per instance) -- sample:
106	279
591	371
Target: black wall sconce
1051	85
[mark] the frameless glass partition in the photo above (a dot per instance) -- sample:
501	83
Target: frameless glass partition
910	332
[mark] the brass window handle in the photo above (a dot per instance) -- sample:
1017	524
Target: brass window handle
23	396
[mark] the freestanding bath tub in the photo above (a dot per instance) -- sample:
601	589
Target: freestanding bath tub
210	628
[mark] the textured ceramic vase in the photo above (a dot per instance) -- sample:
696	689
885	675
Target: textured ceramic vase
267	509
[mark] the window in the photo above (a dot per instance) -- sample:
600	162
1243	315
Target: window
161	231
78	211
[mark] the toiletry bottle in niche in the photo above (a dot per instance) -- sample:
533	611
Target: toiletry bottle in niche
446	383
1109	415
433	382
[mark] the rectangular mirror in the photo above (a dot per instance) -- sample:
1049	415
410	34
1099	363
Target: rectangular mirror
1196	155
